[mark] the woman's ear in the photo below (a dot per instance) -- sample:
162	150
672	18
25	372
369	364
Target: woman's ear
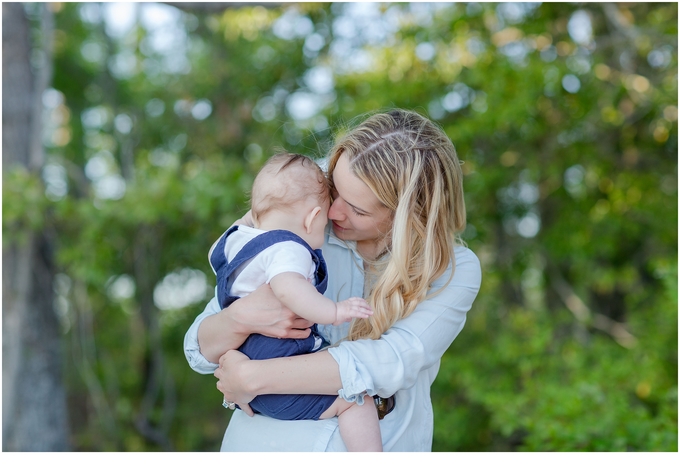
310	218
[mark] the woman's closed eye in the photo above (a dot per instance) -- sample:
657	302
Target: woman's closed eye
356	212
335	196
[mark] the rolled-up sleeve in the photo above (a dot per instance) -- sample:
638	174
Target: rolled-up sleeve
192	350
413	344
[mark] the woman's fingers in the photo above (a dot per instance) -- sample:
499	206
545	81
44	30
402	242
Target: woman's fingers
294	333
246	409
300	323
232	385
267	316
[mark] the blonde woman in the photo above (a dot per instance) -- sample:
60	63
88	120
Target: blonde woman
395	218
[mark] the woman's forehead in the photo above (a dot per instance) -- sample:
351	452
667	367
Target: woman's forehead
352	189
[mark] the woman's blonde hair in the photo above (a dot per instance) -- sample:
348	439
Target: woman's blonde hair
411	166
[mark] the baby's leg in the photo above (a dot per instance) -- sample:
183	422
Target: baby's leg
358	424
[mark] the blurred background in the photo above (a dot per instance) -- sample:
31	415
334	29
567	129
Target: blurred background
132	132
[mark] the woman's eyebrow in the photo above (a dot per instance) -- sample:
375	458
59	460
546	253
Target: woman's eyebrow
349	203
356	208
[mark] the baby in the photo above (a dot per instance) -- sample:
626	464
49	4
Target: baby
290	199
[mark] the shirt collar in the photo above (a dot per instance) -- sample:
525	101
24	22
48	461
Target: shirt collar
331	239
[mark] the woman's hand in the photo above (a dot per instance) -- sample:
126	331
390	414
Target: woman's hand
261	312
258	312
245	220
231	381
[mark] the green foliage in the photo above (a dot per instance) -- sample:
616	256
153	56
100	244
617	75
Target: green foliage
536	389
570	161
23	204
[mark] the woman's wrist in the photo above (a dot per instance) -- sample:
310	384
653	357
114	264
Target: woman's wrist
233	315
253	382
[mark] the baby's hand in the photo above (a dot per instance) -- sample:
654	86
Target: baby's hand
354	307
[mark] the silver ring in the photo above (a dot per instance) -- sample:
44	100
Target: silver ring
228	404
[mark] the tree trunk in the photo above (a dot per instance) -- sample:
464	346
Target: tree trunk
33	396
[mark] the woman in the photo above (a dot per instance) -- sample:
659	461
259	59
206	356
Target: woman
398	207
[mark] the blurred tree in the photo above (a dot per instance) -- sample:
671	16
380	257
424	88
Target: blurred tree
34	411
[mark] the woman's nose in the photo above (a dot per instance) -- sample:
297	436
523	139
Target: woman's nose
335	213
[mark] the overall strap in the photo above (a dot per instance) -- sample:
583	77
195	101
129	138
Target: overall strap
225	270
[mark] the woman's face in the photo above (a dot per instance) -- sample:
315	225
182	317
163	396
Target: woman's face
356	212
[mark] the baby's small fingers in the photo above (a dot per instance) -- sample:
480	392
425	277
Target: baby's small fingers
363	313
359	301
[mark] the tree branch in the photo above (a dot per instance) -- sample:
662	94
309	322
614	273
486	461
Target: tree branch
617	20
585	316
85	359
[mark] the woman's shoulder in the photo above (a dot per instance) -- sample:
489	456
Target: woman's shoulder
465	256
467	272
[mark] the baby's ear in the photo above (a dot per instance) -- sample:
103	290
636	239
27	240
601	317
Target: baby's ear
310	218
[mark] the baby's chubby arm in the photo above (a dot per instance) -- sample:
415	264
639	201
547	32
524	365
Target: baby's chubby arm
300	296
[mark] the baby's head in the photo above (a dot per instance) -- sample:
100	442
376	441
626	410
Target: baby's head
293	190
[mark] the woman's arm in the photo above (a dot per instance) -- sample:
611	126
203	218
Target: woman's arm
241	380
414	344
215	331
366	366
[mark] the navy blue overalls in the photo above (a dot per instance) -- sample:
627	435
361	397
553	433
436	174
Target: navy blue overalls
286	407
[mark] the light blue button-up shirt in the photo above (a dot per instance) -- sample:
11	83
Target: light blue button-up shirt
403	362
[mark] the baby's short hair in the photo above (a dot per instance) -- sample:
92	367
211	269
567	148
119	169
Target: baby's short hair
287	178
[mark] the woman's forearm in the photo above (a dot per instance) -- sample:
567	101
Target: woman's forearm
218	334
316	373
258	312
